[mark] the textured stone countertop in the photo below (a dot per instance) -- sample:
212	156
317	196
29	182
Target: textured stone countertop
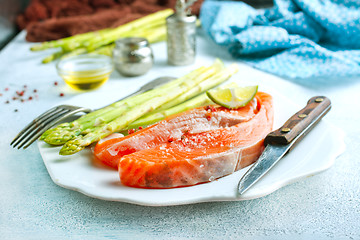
324	206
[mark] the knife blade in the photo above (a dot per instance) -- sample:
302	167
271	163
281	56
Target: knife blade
281	141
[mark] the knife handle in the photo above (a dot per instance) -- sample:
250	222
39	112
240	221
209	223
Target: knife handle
301	122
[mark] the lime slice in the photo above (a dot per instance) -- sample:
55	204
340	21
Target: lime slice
233	97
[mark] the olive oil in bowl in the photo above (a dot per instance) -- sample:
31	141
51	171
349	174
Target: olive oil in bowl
85	72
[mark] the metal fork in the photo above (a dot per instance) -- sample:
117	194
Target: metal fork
55	115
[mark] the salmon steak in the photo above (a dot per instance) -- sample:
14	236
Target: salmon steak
196	146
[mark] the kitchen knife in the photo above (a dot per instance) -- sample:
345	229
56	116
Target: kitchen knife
282	140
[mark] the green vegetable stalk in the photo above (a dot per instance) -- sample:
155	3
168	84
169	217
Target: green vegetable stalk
139	110
151	27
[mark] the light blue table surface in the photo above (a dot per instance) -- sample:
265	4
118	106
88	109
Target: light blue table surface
325	206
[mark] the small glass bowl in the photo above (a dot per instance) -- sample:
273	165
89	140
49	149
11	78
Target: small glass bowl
85	72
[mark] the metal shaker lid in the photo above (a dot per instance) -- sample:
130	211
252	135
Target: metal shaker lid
132	42
180	18
183	11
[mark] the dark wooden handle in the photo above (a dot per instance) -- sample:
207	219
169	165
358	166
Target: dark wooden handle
301	122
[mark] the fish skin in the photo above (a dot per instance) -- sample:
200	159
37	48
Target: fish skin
194	147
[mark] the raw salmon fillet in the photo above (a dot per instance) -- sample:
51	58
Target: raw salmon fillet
193	147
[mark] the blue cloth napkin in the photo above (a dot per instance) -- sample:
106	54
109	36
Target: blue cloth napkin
293	39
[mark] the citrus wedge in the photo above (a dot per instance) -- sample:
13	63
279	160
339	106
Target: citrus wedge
233	98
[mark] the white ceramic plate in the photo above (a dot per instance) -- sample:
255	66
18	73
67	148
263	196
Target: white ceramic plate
80	172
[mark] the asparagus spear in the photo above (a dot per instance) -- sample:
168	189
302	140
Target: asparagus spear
62	42
72	42
197	101
151	27
148	21
222	75
153	36
105	50
53	56
200	100
76	45
80	142
65	132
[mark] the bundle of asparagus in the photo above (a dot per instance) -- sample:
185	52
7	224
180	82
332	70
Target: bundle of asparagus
140	110
152	27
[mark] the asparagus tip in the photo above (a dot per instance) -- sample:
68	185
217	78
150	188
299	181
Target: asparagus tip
37	47
70	147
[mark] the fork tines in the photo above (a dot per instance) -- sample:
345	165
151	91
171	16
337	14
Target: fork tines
40	124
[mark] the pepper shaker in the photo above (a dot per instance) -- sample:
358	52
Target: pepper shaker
132	56
181	34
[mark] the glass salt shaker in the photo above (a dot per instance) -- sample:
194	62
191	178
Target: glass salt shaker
132	56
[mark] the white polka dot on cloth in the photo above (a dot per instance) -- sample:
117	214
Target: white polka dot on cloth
293	39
